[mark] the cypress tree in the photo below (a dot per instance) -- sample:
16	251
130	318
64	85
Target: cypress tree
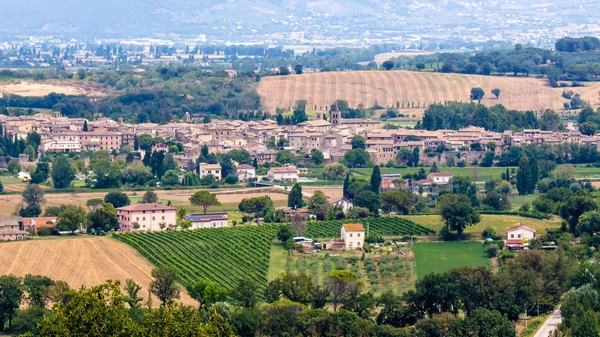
255	163
85	126
295	197
347	186
376	179
523	174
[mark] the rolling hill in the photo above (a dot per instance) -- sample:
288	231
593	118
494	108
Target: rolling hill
421	88
79	262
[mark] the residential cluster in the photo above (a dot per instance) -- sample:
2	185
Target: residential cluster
333	138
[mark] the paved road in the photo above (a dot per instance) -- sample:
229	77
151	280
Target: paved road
550	324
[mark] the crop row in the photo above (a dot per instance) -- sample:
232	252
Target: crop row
223	255
384	226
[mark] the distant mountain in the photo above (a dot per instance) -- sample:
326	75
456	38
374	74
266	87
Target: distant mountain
306	19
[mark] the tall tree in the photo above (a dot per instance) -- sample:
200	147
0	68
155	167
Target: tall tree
11	296
295	197
205	199
318	204
457	212
346	186
164	285
150	197
62	172
117	199
376	180
72	218
343	285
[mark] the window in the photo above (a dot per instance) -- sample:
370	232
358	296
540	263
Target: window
137	218
153	218
519	236
358	235
163	217
512	236
144	218
350	234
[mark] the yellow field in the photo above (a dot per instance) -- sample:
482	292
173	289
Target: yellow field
79	261
423	88
9	203
25	88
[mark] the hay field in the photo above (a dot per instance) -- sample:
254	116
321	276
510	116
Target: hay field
79	261
26	88
9	203
421	88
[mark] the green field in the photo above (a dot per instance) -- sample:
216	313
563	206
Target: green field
587	172
498	222
439	257
223	255
477	173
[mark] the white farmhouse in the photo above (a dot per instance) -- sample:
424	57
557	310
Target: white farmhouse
285	173
440	178
517	237
353	236
245	172
208	220
210	169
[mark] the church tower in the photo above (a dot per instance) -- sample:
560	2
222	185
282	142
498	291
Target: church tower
335	115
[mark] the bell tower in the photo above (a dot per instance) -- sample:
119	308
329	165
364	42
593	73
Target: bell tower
335	115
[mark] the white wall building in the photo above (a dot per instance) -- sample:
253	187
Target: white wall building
150	217
353	236
208	220
210	169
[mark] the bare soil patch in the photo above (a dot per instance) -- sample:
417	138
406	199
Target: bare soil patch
28	88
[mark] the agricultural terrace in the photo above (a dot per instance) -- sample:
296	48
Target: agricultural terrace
223	255
422	89
439	257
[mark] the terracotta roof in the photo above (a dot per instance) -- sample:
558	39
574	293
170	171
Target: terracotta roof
40	222
147	207
354	227
283	170
244	167
514	242
521	226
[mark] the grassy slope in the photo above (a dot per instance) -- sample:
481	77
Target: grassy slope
479	173
498	222
438	257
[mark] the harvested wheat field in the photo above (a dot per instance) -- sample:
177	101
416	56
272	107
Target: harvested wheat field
79	261
10	203
25	88
408	87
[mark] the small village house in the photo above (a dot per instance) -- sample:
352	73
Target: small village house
440	178
210	169
40	222
149	217
12	228
208	220
518	237
245	172
353	236
286	173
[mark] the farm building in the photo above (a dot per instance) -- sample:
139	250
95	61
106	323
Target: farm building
40	222
11	228
208	220
353	236
245	172
517	237
149	217
210	169
285	173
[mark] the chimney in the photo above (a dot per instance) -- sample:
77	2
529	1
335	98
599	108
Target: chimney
120	120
